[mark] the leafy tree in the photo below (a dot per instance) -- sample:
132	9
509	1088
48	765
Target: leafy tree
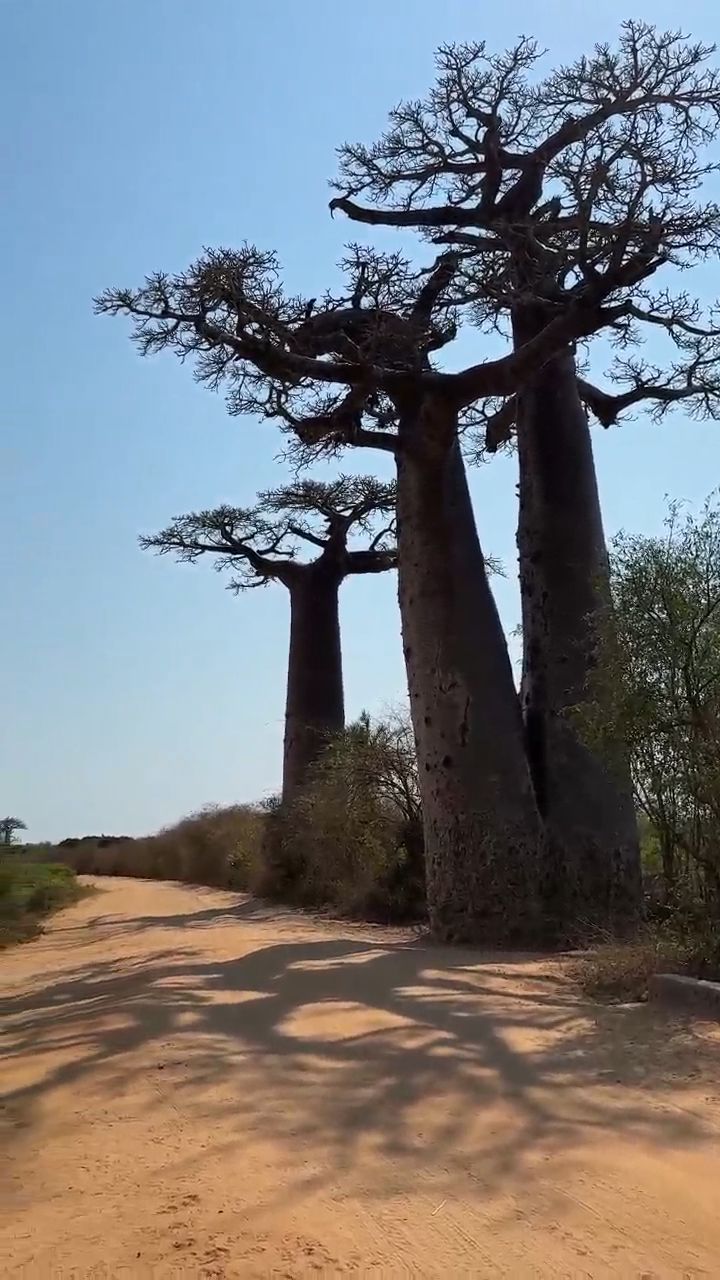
663	684
383	753
263	544
588	177
353	838
9	828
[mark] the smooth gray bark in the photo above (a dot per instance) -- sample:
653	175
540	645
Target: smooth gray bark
483	836
315	705
585	797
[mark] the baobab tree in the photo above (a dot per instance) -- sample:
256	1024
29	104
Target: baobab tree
264	544
9	828
589	177
359	370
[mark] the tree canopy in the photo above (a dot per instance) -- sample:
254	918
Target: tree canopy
9	829
592	175
264	543
662	683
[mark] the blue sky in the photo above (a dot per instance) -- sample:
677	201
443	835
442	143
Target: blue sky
134	690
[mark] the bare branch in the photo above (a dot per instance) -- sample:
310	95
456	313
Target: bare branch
371	561
439	217
608	408
694	384
589	177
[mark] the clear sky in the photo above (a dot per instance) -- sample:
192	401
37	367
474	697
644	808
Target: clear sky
134	133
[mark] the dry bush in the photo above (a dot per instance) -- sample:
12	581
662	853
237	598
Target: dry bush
217	846
618	971
352	840
621	971
91	855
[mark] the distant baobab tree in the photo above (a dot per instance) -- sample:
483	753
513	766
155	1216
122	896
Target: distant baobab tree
263	544
9	828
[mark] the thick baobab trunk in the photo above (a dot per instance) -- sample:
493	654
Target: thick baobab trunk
483	835
315	707
584	794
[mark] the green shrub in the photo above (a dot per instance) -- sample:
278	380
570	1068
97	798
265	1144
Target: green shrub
694	939
352	839
29	891
657	689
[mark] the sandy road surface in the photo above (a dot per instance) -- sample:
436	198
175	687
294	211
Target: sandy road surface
198	1086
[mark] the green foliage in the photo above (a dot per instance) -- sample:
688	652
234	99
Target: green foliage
352	840
658	688
30	890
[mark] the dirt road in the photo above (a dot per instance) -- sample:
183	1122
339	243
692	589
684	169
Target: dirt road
198	1086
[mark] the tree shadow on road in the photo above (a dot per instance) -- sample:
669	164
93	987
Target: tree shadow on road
396	1047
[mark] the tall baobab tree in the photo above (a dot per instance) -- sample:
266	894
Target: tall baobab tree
360	371
589	177
264	544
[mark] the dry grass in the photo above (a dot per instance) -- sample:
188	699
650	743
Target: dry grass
618	971
621	971
332	850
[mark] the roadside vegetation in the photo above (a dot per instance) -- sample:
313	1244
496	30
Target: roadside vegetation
350	841
658	691
29	891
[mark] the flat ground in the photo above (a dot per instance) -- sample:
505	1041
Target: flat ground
200	1086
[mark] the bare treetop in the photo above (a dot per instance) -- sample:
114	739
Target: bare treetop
230	312
349	501
266	542
626	124
278	355
546	185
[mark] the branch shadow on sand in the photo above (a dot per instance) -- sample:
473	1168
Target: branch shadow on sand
396	1047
